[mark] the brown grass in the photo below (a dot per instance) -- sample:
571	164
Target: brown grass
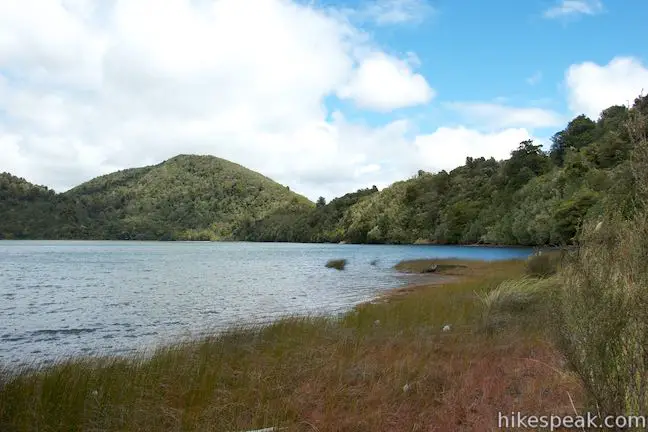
381	367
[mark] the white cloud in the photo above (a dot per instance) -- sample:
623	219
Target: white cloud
383	83
386	12
434	148
591	87
498	116
535	78
87	88
568	8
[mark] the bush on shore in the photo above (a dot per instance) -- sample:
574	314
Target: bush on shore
604	315
338	264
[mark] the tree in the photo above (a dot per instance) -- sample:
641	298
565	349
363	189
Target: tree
526	162
321	202
569	215
613	118
579	133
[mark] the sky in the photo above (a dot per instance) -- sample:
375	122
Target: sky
323	96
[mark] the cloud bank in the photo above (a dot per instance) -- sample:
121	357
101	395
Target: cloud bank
88	87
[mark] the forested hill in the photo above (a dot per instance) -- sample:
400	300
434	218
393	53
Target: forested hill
186	197
533	198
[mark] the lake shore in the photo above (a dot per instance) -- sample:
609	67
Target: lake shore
181	240
385	365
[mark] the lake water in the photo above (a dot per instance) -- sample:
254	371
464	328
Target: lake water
66	298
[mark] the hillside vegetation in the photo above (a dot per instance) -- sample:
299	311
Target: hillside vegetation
532	198
186	197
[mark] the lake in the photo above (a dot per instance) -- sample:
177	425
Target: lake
67	298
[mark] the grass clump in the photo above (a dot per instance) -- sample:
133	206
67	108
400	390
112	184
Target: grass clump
338	264
516	301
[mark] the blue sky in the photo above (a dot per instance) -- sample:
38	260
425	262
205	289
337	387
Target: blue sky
511	51
325	96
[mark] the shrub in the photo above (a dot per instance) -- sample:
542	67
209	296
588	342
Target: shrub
604	314
338	264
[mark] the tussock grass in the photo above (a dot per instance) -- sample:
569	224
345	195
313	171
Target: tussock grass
517	301
380	367
338	264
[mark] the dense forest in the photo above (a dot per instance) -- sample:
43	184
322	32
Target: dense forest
532	198
186	197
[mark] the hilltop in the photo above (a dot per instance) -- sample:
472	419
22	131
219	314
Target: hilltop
186	197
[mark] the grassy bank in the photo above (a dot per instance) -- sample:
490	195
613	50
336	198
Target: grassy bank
387	366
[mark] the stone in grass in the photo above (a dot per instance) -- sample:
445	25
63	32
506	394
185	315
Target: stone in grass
431	269
337	264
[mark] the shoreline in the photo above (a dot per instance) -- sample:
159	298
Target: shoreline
415	281
483	245
418	357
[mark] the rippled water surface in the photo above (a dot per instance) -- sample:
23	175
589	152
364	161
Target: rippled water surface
66	298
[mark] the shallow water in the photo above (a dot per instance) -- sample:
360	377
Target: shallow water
66	298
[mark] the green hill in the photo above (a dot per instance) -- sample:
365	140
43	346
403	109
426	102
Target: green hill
186	197
533	198
30	211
